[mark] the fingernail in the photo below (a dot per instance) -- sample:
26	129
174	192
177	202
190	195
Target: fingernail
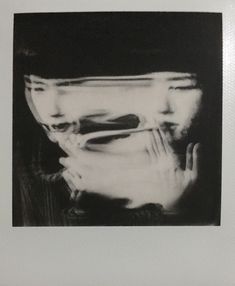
190	145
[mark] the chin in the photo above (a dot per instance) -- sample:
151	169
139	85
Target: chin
176	136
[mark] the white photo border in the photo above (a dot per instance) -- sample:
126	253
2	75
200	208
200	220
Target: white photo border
117	255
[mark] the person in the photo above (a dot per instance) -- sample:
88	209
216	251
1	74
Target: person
128	139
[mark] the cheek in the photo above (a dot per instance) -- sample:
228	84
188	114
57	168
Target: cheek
188	105
40	103
46	105
35	106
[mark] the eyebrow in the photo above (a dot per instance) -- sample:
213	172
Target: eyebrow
177	78
106	81
96	81
28	80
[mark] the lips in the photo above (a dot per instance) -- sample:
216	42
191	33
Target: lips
62	127
168	126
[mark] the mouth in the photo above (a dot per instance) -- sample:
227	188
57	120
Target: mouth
105	130
62	127
108	130
168	126
89	124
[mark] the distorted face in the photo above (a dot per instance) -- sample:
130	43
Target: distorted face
169	100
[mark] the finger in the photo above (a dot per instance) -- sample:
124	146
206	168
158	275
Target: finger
158	141
154	143
165	143
189	159
158	138
63	161
73	195
75	174
77	179
78	139
69	180
84	162
149	148
195	160
64	145
74	180
71	147
64	148
78	196
72	163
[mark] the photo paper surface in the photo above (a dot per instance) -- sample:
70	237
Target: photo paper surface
117	119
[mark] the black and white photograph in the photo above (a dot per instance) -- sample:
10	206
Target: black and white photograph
117	119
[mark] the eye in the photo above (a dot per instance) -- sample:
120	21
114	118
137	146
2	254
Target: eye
183	87
62	127
38	89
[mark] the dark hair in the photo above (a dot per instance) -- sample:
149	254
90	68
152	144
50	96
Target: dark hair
77	44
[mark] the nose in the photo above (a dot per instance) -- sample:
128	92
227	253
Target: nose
164	104
55	104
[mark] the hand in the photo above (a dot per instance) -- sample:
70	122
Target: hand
172	180
110	174
160	181
98	173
